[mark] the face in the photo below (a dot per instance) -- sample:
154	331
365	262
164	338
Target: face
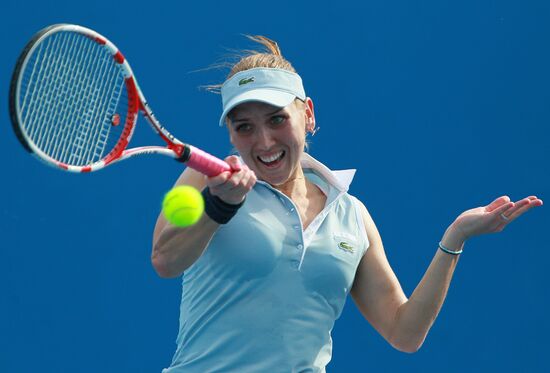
271	140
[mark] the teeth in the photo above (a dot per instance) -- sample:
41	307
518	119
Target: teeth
271	158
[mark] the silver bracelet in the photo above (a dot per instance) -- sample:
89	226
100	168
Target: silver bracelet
443	248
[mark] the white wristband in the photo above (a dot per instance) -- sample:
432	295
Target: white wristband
443	248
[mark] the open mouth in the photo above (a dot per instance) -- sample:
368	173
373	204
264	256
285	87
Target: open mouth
272	160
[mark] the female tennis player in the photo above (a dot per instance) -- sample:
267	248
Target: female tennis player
269	265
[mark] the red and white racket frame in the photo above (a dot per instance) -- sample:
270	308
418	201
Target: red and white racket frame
185	153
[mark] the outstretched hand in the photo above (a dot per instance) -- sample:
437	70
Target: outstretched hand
494	217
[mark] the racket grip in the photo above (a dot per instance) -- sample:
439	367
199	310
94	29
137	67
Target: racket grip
206	163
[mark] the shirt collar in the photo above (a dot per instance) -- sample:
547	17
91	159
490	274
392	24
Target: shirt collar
340	179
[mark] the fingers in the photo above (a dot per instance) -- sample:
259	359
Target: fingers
503	208
215	181
218	180
499	202
241	180
522	206
234	162
232	187
507	215
534	201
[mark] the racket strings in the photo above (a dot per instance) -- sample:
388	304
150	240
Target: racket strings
69	127
70	92
45	90
33	114
67	123
90	140
54	135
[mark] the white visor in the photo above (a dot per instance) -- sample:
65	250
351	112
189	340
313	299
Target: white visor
275	87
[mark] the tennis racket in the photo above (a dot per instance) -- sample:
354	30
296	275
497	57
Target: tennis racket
74	104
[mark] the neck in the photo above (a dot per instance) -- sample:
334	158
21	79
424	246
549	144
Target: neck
295	186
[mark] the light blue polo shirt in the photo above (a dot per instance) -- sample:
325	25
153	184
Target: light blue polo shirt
264	295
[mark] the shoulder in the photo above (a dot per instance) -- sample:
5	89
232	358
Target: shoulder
370	228
365	214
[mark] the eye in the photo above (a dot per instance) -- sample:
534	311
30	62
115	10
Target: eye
278	119
243	127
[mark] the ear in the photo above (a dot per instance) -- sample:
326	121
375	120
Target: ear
310	115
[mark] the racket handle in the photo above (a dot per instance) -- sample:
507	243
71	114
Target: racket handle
206	163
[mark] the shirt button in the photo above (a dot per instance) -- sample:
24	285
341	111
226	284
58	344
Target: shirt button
300	247
296	227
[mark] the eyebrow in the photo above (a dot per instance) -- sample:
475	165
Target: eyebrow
234	120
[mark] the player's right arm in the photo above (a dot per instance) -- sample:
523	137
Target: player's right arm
175	248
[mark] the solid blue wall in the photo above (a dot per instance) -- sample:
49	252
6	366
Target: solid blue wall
441	106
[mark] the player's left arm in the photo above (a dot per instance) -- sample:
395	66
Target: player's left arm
403	322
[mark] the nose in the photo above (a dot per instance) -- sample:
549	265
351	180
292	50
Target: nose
264	138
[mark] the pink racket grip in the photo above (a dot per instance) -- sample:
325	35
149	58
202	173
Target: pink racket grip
207	163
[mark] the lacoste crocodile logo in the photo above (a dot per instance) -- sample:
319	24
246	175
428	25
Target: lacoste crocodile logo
246	81
346	247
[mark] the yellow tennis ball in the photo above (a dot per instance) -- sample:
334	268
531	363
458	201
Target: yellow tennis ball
183	206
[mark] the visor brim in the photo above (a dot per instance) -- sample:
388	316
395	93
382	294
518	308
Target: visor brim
272	97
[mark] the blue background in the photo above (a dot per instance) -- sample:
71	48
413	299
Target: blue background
442	106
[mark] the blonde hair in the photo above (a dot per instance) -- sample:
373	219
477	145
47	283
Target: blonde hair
270	57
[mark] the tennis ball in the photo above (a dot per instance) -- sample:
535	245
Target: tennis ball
183	206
